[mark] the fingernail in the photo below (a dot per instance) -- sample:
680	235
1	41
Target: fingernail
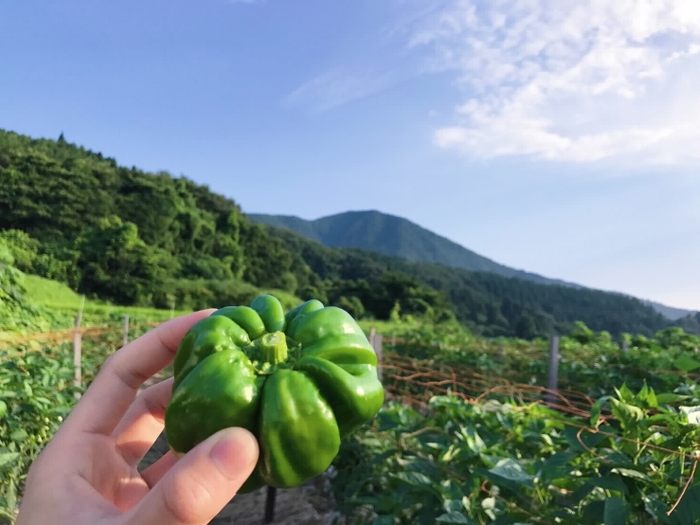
235	451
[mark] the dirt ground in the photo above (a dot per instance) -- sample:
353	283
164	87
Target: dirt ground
310	504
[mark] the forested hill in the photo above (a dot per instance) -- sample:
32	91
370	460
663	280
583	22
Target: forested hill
133	237
497	304
396	236
121	233
391	235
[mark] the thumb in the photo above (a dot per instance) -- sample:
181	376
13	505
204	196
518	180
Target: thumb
202	482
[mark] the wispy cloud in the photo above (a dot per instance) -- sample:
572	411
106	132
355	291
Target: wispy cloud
339	86
571	80
381	59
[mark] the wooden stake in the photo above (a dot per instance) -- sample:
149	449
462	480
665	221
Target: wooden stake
377	345
77	353
553	379
125	331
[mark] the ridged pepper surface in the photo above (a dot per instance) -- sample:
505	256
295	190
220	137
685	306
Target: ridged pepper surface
299	381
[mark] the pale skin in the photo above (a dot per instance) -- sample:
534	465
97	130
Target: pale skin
87	474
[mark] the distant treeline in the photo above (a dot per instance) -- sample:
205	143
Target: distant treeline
138	238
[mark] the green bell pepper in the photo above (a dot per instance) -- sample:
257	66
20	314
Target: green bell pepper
300	382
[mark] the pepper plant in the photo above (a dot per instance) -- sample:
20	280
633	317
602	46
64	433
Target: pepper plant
503	463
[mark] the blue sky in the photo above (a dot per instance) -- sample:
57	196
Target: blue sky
561	137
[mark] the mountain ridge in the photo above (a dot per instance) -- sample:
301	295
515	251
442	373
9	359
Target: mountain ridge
138	238
397	236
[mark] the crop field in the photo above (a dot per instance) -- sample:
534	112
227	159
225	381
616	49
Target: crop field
503	395
468	433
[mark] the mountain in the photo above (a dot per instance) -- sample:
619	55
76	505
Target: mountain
395	236
671	312
150	239
379	232
488	303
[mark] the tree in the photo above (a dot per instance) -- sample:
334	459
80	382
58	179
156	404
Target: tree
675	336
10	277
581	333
118	265
526	328
352	305
23	248
395	315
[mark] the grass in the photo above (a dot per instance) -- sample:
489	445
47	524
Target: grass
58	296
386	328
46	292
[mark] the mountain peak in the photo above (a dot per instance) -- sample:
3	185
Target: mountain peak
396	236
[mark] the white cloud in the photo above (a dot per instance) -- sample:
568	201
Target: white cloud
570	80
379	59
340	86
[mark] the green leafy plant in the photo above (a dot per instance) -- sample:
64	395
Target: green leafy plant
36	393
501	463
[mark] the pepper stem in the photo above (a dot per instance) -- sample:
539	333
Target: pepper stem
272	348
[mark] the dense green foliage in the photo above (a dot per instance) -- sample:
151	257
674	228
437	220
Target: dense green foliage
17	314
135	238
37	391
507	459
121	233
594	366
502	463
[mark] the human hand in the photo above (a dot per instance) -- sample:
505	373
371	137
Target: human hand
87	474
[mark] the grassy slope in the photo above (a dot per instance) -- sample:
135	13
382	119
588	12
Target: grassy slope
45	292
58	296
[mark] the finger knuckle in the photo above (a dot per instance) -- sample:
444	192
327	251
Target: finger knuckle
153	403
130	377
187	500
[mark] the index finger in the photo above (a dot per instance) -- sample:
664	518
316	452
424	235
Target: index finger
116	385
